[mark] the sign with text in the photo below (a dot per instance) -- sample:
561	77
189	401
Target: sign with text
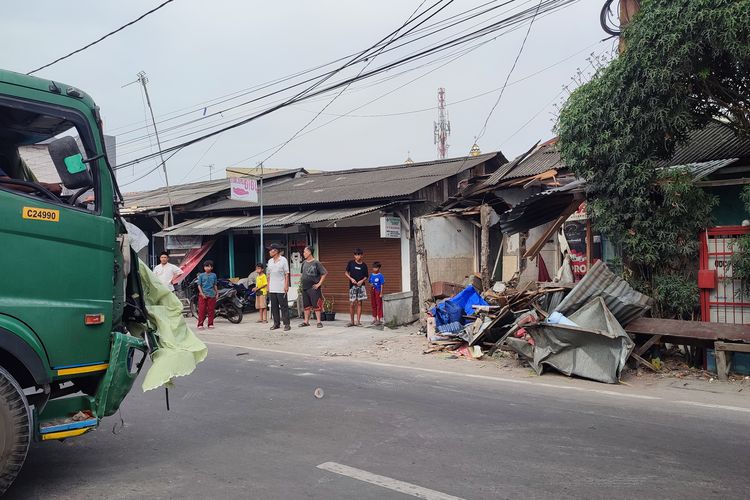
243	189
390	227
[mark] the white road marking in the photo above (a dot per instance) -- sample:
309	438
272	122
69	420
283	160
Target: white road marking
386	482
489	377
717	407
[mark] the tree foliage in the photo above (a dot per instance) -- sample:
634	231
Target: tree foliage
686	63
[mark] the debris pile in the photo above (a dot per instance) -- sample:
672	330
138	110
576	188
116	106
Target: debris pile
574	329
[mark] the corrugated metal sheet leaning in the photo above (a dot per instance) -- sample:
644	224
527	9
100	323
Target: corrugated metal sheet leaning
621	299
597	348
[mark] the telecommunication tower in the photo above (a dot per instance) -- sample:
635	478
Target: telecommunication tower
442	126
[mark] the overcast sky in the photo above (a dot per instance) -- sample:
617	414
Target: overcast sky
195	51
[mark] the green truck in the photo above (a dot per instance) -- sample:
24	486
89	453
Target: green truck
70	293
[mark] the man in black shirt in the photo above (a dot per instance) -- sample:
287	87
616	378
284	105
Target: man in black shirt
313	276
356	273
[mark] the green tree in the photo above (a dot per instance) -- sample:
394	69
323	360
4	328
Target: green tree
686	63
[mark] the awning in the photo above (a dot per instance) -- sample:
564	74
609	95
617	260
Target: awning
540	208
210	226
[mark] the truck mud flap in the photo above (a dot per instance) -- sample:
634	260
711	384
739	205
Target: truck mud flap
123	369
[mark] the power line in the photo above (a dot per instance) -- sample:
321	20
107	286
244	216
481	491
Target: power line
515	62
369	61
100	39
549	5
521	17
239	93
358	58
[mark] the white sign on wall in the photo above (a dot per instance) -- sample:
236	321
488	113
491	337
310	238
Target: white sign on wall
390	227
243	189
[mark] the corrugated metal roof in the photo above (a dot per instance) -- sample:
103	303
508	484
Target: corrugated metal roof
706	168
540	208
185	194
214	225
714	142
539	159
389	182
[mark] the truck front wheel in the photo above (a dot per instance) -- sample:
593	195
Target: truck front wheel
15	429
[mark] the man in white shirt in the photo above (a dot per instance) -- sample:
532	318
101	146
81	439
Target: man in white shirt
166	272
277	271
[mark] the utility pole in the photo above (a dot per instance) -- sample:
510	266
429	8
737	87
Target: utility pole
143	81
260	200
442	127
210	171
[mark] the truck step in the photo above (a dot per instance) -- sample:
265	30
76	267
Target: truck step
61	430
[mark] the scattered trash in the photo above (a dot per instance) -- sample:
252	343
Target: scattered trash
242	354
319	393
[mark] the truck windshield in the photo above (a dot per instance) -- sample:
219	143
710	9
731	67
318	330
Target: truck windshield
26	167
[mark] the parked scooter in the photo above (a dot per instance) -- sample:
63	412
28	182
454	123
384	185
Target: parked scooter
245	294
228	304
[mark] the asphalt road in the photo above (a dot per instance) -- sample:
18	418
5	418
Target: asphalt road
247	425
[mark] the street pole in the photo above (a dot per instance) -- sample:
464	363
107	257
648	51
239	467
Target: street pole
142	78
260	196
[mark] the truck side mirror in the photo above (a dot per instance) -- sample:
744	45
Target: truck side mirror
70	164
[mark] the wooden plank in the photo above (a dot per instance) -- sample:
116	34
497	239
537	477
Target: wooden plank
485	247
643	362
722	365
699	330
647	345
723	346
536	248
424	285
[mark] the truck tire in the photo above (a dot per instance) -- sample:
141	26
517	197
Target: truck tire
15	429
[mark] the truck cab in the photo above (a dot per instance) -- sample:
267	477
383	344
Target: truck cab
69	287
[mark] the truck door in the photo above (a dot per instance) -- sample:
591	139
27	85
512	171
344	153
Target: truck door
57	254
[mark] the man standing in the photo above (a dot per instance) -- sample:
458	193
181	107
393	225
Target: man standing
313	274
277	271
166	271
356	272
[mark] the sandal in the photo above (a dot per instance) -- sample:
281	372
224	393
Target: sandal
320	325
303	324
349	325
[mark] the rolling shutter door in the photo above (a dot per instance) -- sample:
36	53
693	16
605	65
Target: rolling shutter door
336	247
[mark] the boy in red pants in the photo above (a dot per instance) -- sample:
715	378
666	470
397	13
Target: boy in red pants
376	297
207	292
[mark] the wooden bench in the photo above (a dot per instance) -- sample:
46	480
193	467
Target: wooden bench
724	337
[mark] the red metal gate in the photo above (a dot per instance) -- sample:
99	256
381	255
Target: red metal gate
721	296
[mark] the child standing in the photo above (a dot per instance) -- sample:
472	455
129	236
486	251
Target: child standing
261	289
207	292
376	298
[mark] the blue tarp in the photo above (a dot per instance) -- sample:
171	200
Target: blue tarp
454	308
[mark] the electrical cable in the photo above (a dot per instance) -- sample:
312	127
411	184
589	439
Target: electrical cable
202	119
369	61
359	59
261	86
514	19
100	39
515	62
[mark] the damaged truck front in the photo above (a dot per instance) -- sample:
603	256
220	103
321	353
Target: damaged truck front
70	287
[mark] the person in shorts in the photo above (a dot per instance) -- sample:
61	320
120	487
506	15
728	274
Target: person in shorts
313	275
261	289
376	294
357	274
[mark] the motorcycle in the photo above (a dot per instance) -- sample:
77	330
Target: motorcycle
228	304
245	294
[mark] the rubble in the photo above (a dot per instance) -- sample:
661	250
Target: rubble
574	329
